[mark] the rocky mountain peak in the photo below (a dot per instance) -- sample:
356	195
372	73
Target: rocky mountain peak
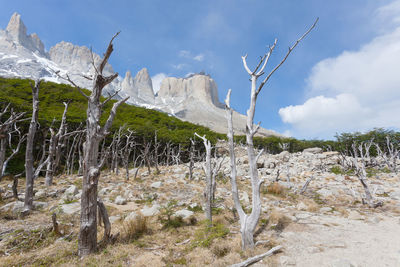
16	28
17	31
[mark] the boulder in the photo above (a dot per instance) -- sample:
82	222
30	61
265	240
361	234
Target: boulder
185	214
71	208
120	200
150	211
156	185
313	150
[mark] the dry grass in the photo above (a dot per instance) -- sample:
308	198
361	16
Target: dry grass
134	229
276	189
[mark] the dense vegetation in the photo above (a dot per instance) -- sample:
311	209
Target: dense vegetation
146	123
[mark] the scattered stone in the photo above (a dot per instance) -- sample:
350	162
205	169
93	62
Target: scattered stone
185	214
156	185
71	208
302	216
154	210
40	194
14	207
120	200
72	190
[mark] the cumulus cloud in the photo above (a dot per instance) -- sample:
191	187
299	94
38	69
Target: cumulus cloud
357	90
156	80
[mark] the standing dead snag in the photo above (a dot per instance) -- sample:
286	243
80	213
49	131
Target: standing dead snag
54	139
248	222
91	165
211	170
8	128
29	171
362	175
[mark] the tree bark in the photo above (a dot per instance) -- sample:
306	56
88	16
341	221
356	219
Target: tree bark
29	171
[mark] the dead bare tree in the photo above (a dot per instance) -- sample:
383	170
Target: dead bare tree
361	174
125	152
192	154
29	170
7	129
211	169
54	139
249	222
91	166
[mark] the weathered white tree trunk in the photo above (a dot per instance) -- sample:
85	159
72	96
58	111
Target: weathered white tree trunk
6	133
91	166
248	222
29	170
211	170
54	139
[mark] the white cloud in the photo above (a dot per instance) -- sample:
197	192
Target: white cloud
188	55
199	57
357	90
179	66
156	80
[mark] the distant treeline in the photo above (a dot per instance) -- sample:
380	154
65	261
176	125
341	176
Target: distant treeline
146	123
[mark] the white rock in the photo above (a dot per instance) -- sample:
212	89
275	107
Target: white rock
184	213
325	192
120	200
70	208
72	190
156	185
313	150
154	210
354	215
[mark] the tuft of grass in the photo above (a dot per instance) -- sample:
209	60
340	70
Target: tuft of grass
196	208
220	250
337	170
26	240
275	189
206	234
134	229
166	216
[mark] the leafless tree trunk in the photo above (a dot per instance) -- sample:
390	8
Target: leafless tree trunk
54	139
6	135
14	152
91	166
211	170
126	151
362	175
249	222
29	171
192	154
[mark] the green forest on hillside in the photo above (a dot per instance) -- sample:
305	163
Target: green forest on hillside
146	122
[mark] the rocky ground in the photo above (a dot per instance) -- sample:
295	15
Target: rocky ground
326	225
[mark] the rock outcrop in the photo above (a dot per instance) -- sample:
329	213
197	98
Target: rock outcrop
140	89
194	99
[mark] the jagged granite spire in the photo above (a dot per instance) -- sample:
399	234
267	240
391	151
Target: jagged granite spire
16	29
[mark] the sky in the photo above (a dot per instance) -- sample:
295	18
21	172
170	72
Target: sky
343	77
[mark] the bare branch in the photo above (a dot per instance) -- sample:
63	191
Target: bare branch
110	119
286	56
110	49
245	65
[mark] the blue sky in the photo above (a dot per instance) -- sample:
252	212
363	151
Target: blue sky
329	83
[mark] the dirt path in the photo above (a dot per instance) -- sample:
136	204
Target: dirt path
334	241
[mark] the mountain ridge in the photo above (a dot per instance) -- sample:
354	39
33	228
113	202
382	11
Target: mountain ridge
193	99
